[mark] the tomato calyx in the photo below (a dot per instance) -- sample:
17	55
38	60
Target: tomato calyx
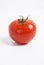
22	20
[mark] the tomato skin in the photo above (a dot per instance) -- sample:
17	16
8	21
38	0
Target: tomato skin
22	33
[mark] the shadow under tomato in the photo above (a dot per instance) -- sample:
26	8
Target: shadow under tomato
8	41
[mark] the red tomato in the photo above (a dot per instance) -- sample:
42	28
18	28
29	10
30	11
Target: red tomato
22	30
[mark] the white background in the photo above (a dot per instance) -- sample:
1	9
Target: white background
32	53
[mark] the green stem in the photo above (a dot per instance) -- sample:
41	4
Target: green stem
22	21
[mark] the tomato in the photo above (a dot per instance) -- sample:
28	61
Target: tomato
22	30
